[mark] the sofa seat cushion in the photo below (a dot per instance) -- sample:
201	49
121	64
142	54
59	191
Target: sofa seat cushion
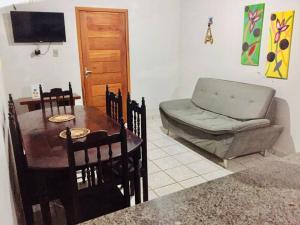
186	112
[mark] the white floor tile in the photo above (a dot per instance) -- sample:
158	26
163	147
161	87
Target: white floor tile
155	136
181	173
168	189
152	168
175	149
216	174
202	167
156	154
189	157
152	195
166	163
164	142
159	179
192	182
151	146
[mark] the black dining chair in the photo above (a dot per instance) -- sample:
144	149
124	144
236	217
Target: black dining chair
57	96
32	191
101	194
114	108
22	175
137	123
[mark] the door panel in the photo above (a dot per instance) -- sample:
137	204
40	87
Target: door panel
104	55
103	31
103	44
102	78
105	67
100	90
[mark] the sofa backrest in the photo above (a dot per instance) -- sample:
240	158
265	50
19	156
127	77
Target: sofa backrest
233	99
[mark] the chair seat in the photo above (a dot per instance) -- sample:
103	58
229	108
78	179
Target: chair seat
184	111
99	202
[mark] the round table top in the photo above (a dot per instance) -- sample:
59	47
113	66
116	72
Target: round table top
44	148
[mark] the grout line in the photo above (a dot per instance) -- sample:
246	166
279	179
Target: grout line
167	168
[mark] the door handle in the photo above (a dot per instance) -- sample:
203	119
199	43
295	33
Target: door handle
87	72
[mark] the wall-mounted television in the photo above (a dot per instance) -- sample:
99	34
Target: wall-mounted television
38	27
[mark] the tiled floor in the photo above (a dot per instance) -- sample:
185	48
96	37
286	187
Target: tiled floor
174	164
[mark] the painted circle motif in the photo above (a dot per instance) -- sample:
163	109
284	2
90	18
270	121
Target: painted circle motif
245	46
271	56
284	44
256	32
273	17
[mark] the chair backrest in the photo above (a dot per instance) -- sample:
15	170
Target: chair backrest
137	123
100	171
136	117
58	96
17	144
114	107
20	163
13	112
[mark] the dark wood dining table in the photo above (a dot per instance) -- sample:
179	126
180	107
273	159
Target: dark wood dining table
46	152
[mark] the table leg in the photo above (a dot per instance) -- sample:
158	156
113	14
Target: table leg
44	199
45	209
137	178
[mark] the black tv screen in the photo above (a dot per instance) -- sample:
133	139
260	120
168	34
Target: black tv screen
38	26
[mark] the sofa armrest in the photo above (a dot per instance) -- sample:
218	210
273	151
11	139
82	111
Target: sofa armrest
252	124
173	104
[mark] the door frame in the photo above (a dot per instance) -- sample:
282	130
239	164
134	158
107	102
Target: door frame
78	10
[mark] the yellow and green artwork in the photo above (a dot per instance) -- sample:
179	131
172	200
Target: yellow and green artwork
279	44
253	25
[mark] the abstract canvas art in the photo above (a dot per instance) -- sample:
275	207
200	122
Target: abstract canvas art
253	25
279	44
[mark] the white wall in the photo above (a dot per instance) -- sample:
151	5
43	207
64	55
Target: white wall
154	47
7	214
222	59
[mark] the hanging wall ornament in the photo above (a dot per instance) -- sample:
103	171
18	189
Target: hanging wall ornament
209	38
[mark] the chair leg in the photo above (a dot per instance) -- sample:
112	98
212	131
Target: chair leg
145	186
131	188
137	180
83	176
28	214
70	217
45	209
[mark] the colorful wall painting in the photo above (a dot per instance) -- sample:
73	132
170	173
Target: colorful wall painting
279	44
253	25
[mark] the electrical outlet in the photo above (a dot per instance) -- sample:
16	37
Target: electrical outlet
55	53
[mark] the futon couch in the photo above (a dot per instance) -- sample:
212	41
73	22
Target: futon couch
225	118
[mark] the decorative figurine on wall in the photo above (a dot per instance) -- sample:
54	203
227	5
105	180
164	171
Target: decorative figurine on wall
209	37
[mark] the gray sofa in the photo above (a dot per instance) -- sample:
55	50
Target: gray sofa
225	118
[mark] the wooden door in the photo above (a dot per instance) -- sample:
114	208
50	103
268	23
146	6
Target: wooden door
104	53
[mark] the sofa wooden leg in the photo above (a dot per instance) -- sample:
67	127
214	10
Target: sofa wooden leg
225	163
264	153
